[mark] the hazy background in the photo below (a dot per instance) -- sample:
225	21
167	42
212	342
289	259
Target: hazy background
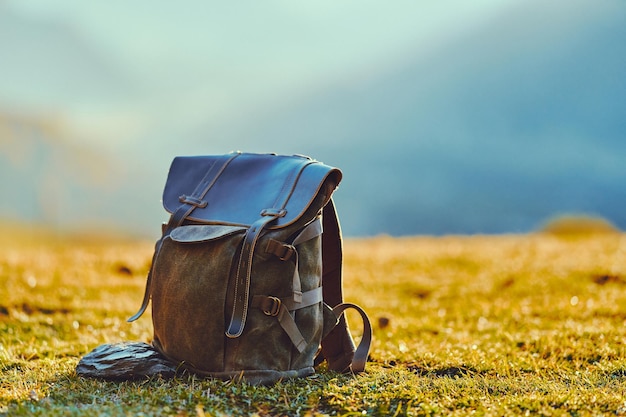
445	116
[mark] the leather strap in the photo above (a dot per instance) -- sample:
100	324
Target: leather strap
332	256
147	291
291	328
309	298
338	346
244	267
362	351
189	204
242	278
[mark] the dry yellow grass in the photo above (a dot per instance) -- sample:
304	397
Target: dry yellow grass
494	325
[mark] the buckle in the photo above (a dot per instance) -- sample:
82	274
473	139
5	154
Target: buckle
273	212
275	307
288	252
185	199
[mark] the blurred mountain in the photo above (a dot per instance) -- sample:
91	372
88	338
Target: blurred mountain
492	132
491	129
47	178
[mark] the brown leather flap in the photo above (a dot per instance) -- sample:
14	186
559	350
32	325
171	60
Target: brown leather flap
247	185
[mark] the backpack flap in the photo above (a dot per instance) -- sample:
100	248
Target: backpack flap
237	190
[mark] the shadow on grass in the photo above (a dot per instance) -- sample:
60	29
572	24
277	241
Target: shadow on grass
446	371
460	371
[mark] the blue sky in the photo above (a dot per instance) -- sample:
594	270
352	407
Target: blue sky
412	98
127	66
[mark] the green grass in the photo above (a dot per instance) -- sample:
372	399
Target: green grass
501	325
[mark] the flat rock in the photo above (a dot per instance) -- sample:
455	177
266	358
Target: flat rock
125	361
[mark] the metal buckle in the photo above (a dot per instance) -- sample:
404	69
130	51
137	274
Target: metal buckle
275	308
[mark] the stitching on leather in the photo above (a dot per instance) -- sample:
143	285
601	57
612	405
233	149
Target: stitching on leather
295	182
214	180
294	172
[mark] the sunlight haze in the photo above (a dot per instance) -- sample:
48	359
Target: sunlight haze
457	117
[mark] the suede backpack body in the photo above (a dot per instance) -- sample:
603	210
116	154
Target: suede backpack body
245	281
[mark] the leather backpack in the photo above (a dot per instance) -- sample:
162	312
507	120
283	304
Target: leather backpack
245	281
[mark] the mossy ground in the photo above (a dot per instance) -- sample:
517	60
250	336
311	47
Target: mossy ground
488	325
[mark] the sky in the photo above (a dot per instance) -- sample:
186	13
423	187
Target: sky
126	65
460	117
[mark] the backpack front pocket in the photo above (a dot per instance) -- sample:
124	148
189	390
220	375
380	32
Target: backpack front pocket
189	288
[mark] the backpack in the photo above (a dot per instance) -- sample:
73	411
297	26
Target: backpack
245	281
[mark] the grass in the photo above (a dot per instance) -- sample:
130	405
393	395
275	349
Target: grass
488	325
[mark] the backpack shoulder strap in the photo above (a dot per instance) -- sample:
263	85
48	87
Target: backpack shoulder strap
338	346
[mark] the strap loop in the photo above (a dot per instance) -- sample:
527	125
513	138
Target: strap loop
196	202
362	351
273	212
